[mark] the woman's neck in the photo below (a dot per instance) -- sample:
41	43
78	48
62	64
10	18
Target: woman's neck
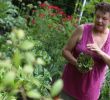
104	31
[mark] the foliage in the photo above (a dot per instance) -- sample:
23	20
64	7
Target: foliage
50	23
85	62
30	53
18	74
105	93
33	64
10	17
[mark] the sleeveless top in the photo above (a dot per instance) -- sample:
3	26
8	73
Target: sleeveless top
86	86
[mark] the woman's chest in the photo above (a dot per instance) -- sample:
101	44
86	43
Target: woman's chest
100	40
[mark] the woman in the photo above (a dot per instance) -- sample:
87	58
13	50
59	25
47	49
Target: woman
93	39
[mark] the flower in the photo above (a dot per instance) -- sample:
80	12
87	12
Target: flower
33	21
42	15
69	17
54	7
49	25
42	5
34	11
64	19
53	14
61	13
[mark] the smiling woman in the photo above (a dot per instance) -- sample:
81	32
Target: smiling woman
101	19
92	39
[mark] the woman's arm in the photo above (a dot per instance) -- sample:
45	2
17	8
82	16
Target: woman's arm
67	50
106	58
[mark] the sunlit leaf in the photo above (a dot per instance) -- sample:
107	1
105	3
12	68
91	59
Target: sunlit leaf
26	45
56	88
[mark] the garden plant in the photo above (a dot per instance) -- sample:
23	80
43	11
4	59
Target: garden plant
31	40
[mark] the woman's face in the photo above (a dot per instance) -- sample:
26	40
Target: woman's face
102	20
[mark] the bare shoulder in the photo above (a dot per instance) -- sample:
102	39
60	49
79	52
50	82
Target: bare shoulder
78	32
80	27
75	38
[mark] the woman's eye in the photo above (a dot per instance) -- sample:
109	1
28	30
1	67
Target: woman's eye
104	18
97	16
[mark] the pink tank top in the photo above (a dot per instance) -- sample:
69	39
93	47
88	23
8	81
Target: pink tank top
86	86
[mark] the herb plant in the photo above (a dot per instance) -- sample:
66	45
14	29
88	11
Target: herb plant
85	62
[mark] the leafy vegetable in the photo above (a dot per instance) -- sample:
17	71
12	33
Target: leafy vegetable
85	62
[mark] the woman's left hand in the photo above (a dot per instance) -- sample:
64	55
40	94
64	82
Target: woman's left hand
94	47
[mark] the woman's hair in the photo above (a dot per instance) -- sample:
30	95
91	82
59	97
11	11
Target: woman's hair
103	6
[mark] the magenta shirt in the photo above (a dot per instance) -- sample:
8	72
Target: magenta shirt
86	86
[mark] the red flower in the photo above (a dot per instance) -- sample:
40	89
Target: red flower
42	5
56	98
64	19
33	21
54	7
42	15
61	13
34	11
53	14
69	17
49	26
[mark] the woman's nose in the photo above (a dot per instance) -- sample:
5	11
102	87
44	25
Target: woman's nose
99	19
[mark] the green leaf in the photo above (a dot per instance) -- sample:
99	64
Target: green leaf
28	69
17	58
6	63
19	33
30	57
9	77
26	45
56	88
40	61
34	94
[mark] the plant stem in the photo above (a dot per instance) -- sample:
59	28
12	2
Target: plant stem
23	94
